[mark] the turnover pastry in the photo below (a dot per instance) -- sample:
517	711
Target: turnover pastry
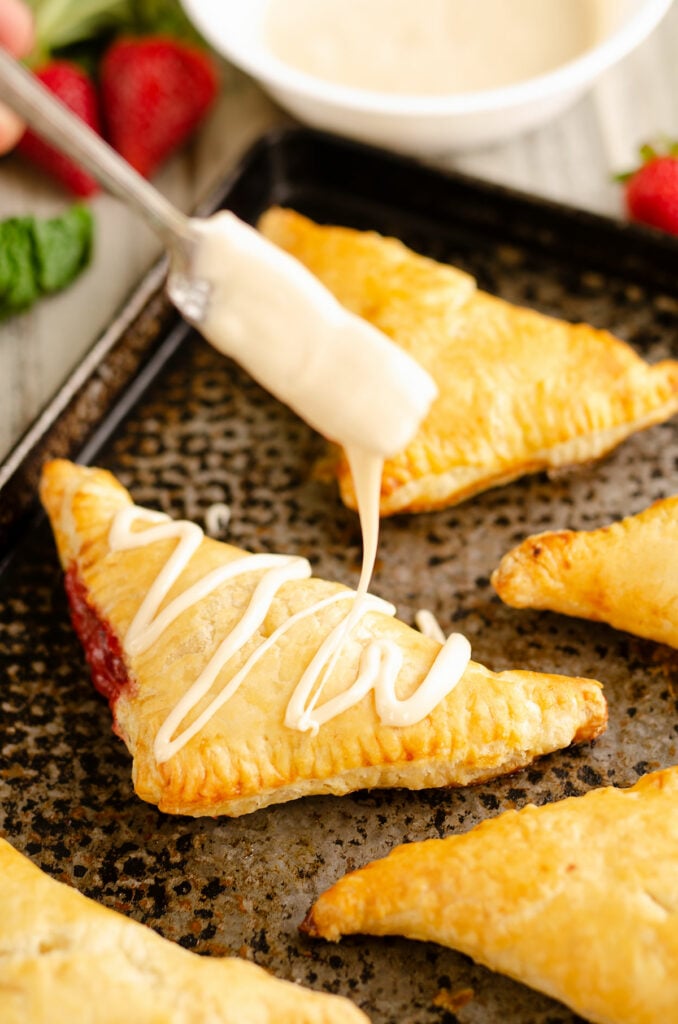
578	899
212	660
65	959
624	574
518	391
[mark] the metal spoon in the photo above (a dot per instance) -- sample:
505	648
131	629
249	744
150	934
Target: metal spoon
259	292
49	118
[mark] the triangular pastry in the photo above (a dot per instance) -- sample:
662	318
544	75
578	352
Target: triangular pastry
625	574
250	738
518	391
64	959
578	899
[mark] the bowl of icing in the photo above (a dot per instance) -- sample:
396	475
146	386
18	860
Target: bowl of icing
425	76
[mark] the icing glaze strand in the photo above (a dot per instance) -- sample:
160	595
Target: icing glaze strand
426	623
217	518
379	664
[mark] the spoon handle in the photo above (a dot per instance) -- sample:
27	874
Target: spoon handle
49	118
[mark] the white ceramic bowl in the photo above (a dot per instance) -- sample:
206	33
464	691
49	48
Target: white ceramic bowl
420	124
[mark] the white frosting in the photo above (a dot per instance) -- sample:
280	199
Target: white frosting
427	624
366	470
380	661
217	518
429	47
340	374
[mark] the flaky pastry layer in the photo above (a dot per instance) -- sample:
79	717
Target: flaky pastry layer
578	899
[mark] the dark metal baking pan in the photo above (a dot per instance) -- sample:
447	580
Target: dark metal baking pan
185	428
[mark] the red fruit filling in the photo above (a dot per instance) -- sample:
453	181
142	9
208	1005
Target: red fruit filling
102	647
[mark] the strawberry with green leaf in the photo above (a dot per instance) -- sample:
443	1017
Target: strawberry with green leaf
156	81
651	191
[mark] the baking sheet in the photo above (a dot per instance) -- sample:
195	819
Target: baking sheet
202	432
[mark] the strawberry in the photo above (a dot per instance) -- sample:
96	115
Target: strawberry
155	90
75	89
652	190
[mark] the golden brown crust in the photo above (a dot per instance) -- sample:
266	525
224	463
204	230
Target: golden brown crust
518	391
64	959
620	574
245	757
578	899
379	278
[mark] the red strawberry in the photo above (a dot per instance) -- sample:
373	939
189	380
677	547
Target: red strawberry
155	91
652	190
75	89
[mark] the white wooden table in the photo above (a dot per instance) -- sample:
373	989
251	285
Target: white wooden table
572	160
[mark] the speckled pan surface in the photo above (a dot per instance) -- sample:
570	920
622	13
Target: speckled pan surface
204	433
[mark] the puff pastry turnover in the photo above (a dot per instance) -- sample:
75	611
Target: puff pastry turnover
518	391
64	959
578	899
244	756
623	574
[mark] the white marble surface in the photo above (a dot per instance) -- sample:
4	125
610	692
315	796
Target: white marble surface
571	159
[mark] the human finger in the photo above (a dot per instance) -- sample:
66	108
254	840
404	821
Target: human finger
17	36
16	27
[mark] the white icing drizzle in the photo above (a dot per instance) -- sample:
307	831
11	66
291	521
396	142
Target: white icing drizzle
427	624
380	660
217	518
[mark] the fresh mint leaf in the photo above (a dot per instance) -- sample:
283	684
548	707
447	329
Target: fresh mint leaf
18	280
38	257
63	247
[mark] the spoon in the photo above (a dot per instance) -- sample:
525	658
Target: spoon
251	300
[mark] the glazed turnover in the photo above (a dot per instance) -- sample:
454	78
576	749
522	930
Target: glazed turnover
205	653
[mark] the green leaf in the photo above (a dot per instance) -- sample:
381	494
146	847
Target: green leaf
164	17
18	279
38	257
60	23
63	24
647	152
63	247
623	176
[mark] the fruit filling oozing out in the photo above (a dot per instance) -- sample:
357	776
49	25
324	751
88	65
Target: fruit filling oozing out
102	649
